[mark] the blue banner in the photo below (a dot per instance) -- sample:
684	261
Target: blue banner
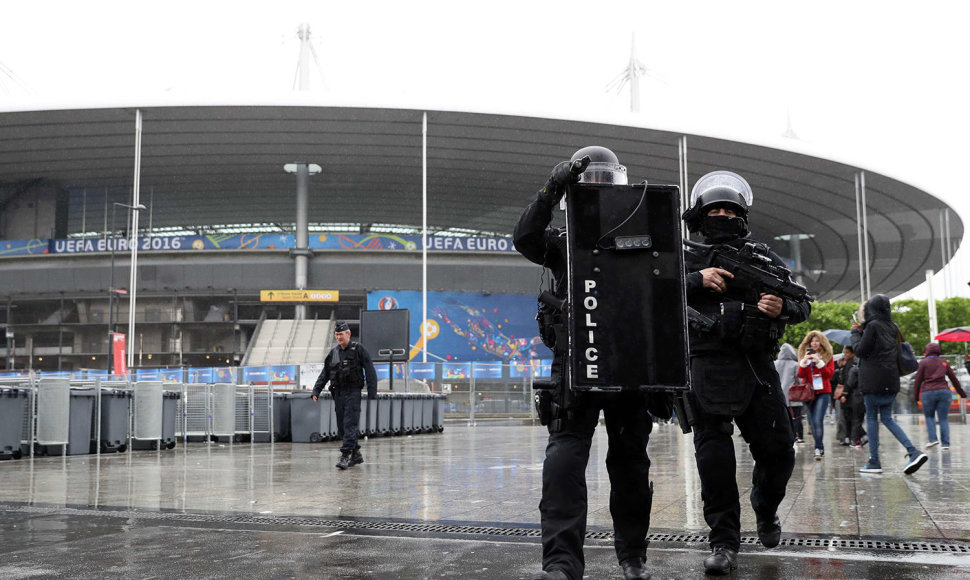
423	371
22	247
200	375
170	376
469	326
382	371
487	370
533	368
282	374
255	375
286	374
372	242
456	371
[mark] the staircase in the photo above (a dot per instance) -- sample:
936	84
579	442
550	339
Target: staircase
289	342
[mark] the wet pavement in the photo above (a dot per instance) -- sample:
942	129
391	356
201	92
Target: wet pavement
459	503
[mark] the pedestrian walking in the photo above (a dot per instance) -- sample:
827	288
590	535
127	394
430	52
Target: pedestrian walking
876	341
930	388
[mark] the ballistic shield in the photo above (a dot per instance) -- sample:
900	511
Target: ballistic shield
626	301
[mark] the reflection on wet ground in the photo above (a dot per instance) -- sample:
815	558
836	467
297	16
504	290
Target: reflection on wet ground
484	475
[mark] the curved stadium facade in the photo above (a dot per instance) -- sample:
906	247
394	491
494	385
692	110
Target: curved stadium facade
220	221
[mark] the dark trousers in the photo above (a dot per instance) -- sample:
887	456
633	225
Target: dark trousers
796	421
563	505
767	428
841	419
347	405
856	412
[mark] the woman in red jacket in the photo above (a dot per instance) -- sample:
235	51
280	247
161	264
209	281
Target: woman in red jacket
815	366
930	386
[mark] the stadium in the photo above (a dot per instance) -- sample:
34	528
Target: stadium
220	223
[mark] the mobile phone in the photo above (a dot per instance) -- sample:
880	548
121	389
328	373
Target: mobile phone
811	350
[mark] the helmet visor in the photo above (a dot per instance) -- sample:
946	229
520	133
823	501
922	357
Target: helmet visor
607	173
719	183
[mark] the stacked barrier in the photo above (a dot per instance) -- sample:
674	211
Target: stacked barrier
63	416
388	414
79	417
13	404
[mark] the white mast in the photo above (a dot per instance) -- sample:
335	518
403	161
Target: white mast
631	74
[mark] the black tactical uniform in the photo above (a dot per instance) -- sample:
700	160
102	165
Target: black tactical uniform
564	502
345	369
734	378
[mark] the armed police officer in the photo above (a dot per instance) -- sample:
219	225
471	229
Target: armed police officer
571	417
346	368
745	297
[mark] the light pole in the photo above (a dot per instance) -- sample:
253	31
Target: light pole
301	253
111	289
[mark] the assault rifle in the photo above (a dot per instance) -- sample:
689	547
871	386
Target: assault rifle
752	267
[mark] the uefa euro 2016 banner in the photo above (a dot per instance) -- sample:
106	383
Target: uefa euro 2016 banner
376	242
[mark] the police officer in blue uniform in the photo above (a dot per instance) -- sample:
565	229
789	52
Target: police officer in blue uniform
346	368
573	416
733	374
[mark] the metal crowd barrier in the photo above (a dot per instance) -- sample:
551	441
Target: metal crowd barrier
226	412
388	414
75	417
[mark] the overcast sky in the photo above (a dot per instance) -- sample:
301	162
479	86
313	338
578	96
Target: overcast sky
880	84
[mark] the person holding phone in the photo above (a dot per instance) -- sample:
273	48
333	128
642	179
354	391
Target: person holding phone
815	365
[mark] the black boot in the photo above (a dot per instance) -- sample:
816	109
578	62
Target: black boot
721	561
344	462
356	458
633	570
551	575
769	530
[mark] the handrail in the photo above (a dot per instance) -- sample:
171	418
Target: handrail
254	340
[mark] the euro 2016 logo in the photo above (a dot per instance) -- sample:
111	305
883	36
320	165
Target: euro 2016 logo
387	303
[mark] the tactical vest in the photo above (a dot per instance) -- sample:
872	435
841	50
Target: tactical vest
346	370
739	323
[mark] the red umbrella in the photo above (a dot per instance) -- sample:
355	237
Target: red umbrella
958	334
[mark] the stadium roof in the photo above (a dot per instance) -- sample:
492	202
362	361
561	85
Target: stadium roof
204	166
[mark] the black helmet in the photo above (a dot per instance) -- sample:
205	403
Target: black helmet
718	189
604	167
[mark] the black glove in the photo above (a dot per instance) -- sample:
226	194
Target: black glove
563	174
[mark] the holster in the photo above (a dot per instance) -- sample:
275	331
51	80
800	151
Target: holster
553	398
551	412
685	411
552	330
543	403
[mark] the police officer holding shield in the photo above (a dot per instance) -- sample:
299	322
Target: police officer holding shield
571	416
346	368
732	371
